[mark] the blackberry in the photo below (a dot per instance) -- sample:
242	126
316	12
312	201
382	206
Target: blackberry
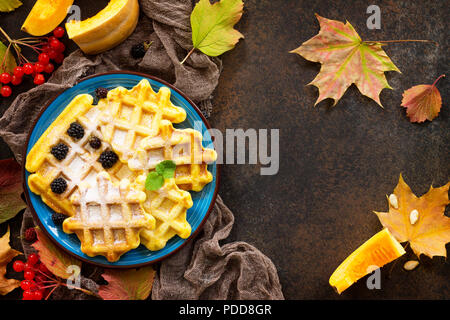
108	158
95	142
101	93
75	130
60	151
30	235
138	51
58	218
58	186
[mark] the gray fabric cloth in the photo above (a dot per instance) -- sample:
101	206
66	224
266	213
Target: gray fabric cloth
204	269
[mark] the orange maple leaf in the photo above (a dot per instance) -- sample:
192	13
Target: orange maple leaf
346	59
127	284
6	255
56	260
430	232
422	102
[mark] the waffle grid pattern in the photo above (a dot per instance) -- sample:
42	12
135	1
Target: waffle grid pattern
108	218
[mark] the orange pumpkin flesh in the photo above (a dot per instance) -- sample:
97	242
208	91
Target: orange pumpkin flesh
45	16
379	250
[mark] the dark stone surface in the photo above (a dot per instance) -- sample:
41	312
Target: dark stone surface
336	164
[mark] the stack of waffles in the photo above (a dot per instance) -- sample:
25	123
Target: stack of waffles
92	162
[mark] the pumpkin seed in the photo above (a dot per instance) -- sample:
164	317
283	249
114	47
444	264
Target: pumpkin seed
393	201
410	265
414	216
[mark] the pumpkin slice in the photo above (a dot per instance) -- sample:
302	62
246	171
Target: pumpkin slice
107	28
45	16
379	250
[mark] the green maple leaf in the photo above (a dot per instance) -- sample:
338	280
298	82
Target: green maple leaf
212	26
9	5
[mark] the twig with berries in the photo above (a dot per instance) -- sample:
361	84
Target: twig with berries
48	49
39	283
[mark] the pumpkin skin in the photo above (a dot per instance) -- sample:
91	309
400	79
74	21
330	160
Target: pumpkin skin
106	29
45	16
379	250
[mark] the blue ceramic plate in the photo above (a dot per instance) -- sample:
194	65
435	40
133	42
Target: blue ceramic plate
203	201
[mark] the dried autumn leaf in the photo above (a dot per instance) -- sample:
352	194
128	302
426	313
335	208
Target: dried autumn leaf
9	62
212	26
127	284
6	255
422	102
54	258
10	189
431	232
9	5
346	59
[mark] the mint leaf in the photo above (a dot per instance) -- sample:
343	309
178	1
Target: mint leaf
166	168
154	181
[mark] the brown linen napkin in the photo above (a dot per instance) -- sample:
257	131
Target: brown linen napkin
203	269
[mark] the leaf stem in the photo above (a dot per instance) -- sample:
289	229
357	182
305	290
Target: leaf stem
46	275
395	41
27	45
188	55
80	289
5	34
49	286
50	293
435	82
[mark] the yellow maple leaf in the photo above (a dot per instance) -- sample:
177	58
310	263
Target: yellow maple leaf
419	220
6	255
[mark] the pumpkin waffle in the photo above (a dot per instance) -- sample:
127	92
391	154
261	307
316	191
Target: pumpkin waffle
108	217
131	115
182	146
80	163
168	205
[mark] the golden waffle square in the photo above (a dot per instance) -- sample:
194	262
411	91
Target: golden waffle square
131	115
168	205
182	146
108	217
80	163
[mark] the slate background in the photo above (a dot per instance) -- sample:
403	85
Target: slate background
336	163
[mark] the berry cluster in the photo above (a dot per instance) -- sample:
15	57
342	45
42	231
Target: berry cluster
49	49
76	131
58	218
108	159
101	93
139	49
60	151
58	185
36	277
30	235
95	142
